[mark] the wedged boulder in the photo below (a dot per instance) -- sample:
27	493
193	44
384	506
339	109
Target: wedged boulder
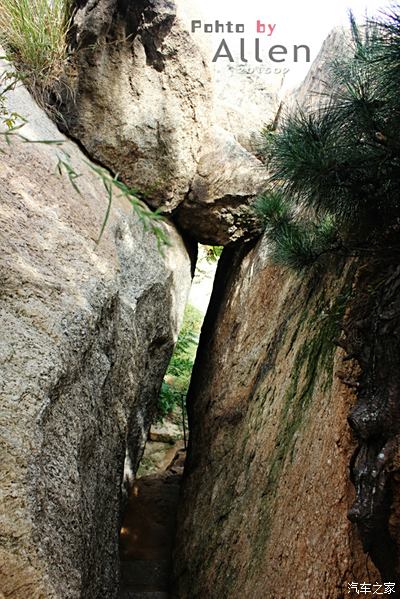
227	181
86	335
264	509
139	97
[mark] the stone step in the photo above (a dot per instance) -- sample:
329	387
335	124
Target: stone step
145	575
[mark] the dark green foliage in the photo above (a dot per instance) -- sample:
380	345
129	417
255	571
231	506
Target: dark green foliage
213	253
297	243
274	209
388	54
177	378
339	166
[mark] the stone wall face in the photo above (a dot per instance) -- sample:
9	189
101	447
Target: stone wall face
267	488
139	97
87	333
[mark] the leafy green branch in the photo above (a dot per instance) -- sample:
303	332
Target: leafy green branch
296	242
11	128
151	221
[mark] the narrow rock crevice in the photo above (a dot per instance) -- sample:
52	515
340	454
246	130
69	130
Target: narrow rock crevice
222	290
149	519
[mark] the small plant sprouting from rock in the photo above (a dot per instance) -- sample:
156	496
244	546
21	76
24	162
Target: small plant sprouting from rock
7	118
11	123
213	253
335	172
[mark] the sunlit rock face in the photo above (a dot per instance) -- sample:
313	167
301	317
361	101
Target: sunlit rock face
246	94
247	98
315	88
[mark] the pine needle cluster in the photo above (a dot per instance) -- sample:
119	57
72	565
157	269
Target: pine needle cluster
335	172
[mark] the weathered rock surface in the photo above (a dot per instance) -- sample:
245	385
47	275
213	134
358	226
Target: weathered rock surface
141	95
372	337
86	335
264	509
163	442
246	99
317	85
140	100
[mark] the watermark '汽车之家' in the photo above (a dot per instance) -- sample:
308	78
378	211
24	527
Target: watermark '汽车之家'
367	588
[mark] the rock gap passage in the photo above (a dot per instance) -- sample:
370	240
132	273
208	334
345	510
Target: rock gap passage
148	529
286	360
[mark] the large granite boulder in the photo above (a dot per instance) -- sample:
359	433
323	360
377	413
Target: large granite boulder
86	335
139	98
141	95
266	487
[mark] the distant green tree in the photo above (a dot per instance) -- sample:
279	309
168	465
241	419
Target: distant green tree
176	381
335	172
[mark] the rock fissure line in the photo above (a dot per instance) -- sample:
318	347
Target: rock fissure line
372	339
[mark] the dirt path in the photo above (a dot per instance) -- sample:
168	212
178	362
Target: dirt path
148	532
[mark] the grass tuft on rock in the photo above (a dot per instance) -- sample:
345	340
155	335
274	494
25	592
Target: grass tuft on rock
34	35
